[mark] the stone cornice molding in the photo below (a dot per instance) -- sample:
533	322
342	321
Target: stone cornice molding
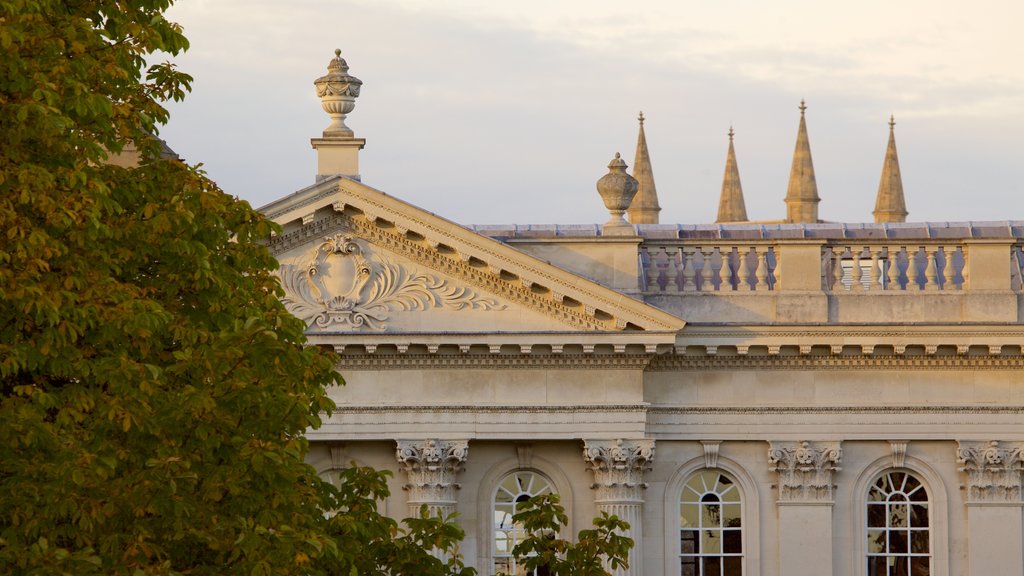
447	247
618	467
671	363
522	342
824	409
994	470
411	361
431	466
805	469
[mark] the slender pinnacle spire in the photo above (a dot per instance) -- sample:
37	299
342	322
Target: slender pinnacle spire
731	207
644	208
802	195
890	205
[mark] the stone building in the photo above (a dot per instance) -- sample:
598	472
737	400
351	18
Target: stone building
790	398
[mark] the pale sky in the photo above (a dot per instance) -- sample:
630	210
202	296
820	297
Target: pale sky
508	112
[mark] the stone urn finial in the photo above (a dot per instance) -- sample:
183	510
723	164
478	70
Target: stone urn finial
617	189
338	91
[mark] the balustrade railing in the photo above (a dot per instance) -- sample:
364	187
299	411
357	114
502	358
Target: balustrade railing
864	268
691	267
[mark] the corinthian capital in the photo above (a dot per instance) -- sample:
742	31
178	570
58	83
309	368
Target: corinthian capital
618	467
805	469
431	466
993	470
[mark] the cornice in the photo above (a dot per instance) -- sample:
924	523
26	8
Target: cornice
810	410
493	361
672	363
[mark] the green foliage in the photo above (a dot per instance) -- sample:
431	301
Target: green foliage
154	392
543	518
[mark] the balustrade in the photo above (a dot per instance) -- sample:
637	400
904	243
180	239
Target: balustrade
691	267
866	268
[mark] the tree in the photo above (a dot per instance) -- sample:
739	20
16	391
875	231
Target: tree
155	392
543	518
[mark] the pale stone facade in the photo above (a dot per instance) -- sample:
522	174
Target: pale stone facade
765	400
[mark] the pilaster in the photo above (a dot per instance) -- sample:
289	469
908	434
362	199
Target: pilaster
995	521
805	482
618	467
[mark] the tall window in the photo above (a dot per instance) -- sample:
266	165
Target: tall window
898	530
710	526
513	490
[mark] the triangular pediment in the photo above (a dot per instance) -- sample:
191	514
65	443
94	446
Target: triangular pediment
357	260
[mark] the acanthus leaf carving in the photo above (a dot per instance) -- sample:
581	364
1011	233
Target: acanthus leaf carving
805	469
367	289
994	471
618	467
431	466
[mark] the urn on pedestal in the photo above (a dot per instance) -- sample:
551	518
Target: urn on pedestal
617	189
338	91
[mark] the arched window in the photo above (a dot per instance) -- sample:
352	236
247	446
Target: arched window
710	526
514	489
899	529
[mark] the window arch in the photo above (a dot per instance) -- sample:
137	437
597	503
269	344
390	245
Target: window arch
711	525
514	489
898	527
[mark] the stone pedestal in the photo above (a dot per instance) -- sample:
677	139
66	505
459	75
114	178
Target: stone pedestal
618	467
805	504
995	517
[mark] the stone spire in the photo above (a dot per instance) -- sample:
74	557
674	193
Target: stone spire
802	196
337	152
890	205
731	207
644	208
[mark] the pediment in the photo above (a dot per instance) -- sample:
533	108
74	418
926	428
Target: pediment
357	260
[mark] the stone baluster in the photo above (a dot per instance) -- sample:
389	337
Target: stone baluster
431	467
856	273
948	271
875	272
912	271
931	276
828	264
618	467
651	271
705	269
777	272
743	275
672	283
689	269
894	267
724	276
761	272
965	272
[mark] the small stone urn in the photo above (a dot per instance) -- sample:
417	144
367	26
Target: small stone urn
617	190
338	91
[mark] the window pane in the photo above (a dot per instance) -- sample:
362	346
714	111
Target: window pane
688	543
898	515
732	566
898	542
876	541
689	515
876	515
919	515
711	516
689	566
919	542
711	541
877	566
712	566
920	566
732	541
731	516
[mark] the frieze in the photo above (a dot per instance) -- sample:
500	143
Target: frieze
366	289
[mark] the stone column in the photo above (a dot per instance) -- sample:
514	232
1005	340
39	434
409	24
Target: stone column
805	504
431	466
618	467
995	525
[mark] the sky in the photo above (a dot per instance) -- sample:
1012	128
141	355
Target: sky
509	112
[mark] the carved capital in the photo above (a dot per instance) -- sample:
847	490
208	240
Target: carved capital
430	466
993	470
618	467
805	469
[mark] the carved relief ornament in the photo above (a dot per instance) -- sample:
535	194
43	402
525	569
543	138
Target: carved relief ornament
993	470
805	469
618	467
431	466
345	285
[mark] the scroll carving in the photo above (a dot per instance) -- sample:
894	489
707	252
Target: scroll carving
993	470
805	469
618	467
344	285
431	466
